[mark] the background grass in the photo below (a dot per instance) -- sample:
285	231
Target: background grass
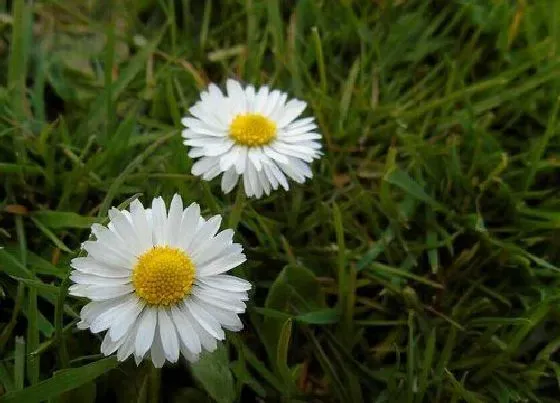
421	263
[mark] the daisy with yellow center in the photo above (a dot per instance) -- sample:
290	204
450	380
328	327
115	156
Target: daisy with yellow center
157	284
253	133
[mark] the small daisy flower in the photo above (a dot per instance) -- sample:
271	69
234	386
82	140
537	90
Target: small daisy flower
253	133
157	284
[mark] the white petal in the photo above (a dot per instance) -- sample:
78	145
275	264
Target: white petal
206	142
261	99
219	149
241	161
272	179
212	146
299	123
276	113
201	111
127	346
301	137
189	356
174	218
108	317
255	157
271	102
228	159
250	96
211	173
293	150
157	353
189	222
146	330
205	233
213	247
294	131
109	346
221	299
189	337
293	109
297	170
92	310
121	224
301	167
143	231
226	283
137	359
210	105
168	335
205	320
112	241
237	95
159	221
254	185
275	155
227	296
229	180
280	177
230	258
196	152
208	342
82	278
263	180
107	256
100	293
204	127
227	319
126	319
89	265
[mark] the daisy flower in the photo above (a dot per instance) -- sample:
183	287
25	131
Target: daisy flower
156	282
253	133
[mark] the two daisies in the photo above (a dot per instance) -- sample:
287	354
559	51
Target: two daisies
156	277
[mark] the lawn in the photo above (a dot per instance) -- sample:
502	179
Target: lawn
421	263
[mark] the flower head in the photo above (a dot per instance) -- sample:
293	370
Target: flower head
253	133
156	282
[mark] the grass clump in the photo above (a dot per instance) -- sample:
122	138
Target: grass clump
420	264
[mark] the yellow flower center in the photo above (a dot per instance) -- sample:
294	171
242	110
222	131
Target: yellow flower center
163	276
252	130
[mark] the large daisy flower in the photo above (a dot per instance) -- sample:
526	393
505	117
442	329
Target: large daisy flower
256	134
157	284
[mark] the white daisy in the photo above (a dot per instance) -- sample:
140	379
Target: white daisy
252	133
156	282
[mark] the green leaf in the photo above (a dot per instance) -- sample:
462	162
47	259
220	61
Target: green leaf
402	180
61	382
298	287
6	378
86	393
394	272
49	234
190	395
321	317
282	351
12	266
63	219
42	266
19	363
48	290
7	168
42	323
245	377
295	291
212	371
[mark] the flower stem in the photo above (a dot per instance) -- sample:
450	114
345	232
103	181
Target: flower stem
235	215
155	382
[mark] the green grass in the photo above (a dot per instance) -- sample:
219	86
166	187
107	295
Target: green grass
420	264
